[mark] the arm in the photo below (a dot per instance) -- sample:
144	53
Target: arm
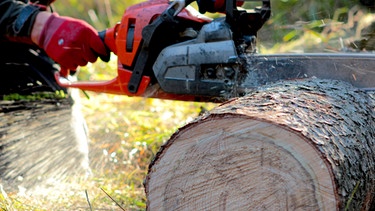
16	19
68	41
38	26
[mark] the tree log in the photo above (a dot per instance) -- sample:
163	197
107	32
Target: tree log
41	142
304	144
42	134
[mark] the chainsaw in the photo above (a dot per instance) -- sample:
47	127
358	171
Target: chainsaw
179	54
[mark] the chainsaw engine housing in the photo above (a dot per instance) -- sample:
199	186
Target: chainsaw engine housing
206	65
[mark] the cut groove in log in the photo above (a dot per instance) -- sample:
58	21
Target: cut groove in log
293	145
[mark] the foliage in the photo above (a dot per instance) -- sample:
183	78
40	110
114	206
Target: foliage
99	13
313	26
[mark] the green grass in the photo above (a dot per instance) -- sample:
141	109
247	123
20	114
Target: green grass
125	132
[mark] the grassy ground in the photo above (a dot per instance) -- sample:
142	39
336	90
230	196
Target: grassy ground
130	132
125	134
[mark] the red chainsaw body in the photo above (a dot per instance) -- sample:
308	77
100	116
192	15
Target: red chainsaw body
125	40
193	58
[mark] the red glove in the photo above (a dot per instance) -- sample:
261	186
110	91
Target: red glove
71	42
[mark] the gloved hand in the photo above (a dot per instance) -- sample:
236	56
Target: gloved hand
70	42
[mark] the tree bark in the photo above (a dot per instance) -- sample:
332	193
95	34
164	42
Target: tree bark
304	144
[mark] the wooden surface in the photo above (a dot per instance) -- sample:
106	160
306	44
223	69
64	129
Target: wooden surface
41	142
293	145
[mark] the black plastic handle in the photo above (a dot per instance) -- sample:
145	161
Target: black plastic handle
108	56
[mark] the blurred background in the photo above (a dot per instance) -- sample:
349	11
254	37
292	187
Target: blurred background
327	25
126	132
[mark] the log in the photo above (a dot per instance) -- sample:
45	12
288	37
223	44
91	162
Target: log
43	136
42	143
304	144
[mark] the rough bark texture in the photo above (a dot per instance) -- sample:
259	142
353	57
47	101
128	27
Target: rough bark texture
41	142
305	144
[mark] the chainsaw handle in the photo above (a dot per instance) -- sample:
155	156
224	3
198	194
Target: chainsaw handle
102	35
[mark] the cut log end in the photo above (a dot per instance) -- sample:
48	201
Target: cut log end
239	163
304	144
